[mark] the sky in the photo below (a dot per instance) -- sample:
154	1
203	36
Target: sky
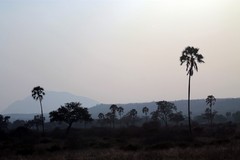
118	51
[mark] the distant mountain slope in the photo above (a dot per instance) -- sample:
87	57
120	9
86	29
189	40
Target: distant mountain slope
198	106
52	100
30	107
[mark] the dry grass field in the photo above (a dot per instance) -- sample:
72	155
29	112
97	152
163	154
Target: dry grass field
133	143
223	152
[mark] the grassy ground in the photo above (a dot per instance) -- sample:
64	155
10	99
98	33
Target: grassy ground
229	152
134	143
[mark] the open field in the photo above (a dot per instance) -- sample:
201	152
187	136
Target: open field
133	143
202	153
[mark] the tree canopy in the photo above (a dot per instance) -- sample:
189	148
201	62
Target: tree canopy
70	113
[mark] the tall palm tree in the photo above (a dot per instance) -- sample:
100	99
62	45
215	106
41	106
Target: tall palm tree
37	94
191	57
145	111
211	100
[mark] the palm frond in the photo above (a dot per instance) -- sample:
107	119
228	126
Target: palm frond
195	66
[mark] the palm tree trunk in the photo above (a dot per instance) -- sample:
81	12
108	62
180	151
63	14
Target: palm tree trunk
211	115
43	132
189	113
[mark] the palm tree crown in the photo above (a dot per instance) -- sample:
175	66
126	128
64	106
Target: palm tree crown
38	93
210	100
145	110
191	57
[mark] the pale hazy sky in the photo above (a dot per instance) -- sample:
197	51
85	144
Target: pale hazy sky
118	51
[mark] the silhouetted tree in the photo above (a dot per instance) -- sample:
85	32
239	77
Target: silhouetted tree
86	117
4	120
155	116
145	111
120	111
37	94
35	122
101	118
176	117
209	115
190	56
133	113
17	123
114	109
130	117
70	113
211	100
165	110
109	118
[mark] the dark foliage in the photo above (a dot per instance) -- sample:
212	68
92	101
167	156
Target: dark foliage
70	113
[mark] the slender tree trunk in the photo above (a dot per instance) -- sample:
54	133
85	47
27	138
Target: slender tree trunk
211	115
189	113
43	132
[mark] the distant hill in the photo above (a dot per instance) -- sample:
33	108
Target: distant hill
52	100
198	106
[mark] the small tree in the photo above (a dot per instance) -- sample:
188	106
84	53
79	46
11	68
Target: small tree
109	118
35	122
114	109
133	115
17	123
155	116
145	111
120	111
176	117
130	117
86	117
101	118
70	113
4	120
165	109
211	100
209	115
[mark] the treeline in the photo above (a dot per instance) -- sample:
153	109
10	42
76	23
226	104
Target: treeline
74	115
